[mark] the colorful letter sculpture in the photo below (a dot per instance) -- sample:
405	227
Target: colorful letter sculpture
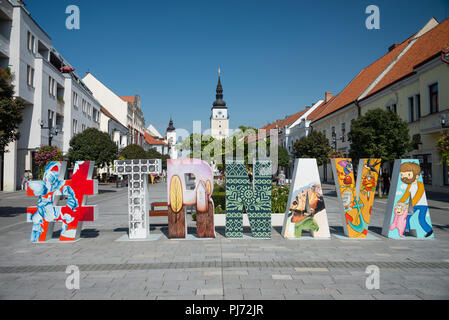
199	196
138	206
255	197
357	199
50	190
407	207
306	209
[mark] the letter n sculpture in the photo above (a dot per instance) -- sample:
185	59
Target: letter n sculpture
254	196
51	189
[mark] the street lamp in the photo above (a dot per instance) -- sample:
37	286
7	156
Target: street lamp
443	119
52	131
334	140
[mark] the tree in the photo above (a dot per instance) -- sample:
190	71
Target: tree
315	145
133	151
379	134
93	145
154	154
11	109
283	157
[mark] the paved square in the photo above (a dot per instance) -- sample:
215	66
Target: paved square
219	268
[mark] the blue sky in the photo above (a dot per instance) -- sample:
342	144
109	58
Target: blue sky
276	56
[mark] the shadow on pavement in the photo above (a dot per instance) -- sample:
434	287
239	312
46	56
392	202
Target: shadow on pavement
6	212
85	233
100	191
89	233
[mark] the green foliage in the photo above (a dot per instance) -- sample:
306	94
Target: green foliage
154	154
134	151
219	198
443	147
46	154
279	198
283	157
315	145
11	110
93	145
379	134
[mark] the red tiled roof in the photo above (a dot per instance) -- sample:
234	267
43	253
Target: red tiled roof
360	83
315	113
429	44
279	124
153	141
128	98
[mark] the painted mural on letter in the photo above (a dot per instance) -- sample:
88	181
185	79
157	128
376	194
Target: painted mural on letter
407	208
190	182
50	190
357	197
306	209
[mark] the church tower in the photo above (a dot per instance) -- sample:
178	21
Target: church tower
219	119
171	140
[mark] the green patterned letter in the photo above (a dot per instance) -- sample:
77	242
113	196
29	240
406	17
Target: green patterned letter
256	197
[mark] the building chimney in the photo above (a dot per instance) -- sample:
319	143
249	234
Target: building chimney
394	45
328	96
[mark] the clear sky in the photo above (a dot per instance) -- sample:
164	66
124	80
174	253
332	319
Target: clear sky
276	56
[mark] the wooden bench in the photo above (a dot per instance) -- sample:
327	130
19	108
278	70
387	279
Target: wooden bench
158	213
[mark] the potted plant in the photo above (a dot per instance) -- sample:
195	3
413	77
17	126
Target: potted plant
443	147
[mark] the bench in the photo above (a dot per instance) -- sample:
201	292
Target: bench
158	213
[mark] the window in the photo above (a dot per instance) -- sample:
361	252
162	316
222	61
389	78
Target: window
50	118
30	42
417	107
414	108
83	104
75	126
89	109
30	76
433	98
324	132
343	131
51	86
83	127
95	115
75	100
392	108
411	109
445	173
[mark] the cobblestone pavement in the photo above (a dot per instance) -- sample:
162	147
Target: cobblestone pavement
220	268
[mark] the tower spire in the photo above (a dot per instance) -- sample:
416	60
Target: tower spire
219	93
170	125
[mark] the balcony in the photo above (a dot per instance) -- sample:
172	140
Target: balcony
432	123
60	106
4	45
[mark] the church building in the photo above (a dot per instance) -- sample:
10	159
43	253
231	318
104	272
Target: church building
219	119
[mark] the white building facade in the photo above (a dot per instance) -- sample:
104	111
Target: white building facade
126	109
57	105
116	130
